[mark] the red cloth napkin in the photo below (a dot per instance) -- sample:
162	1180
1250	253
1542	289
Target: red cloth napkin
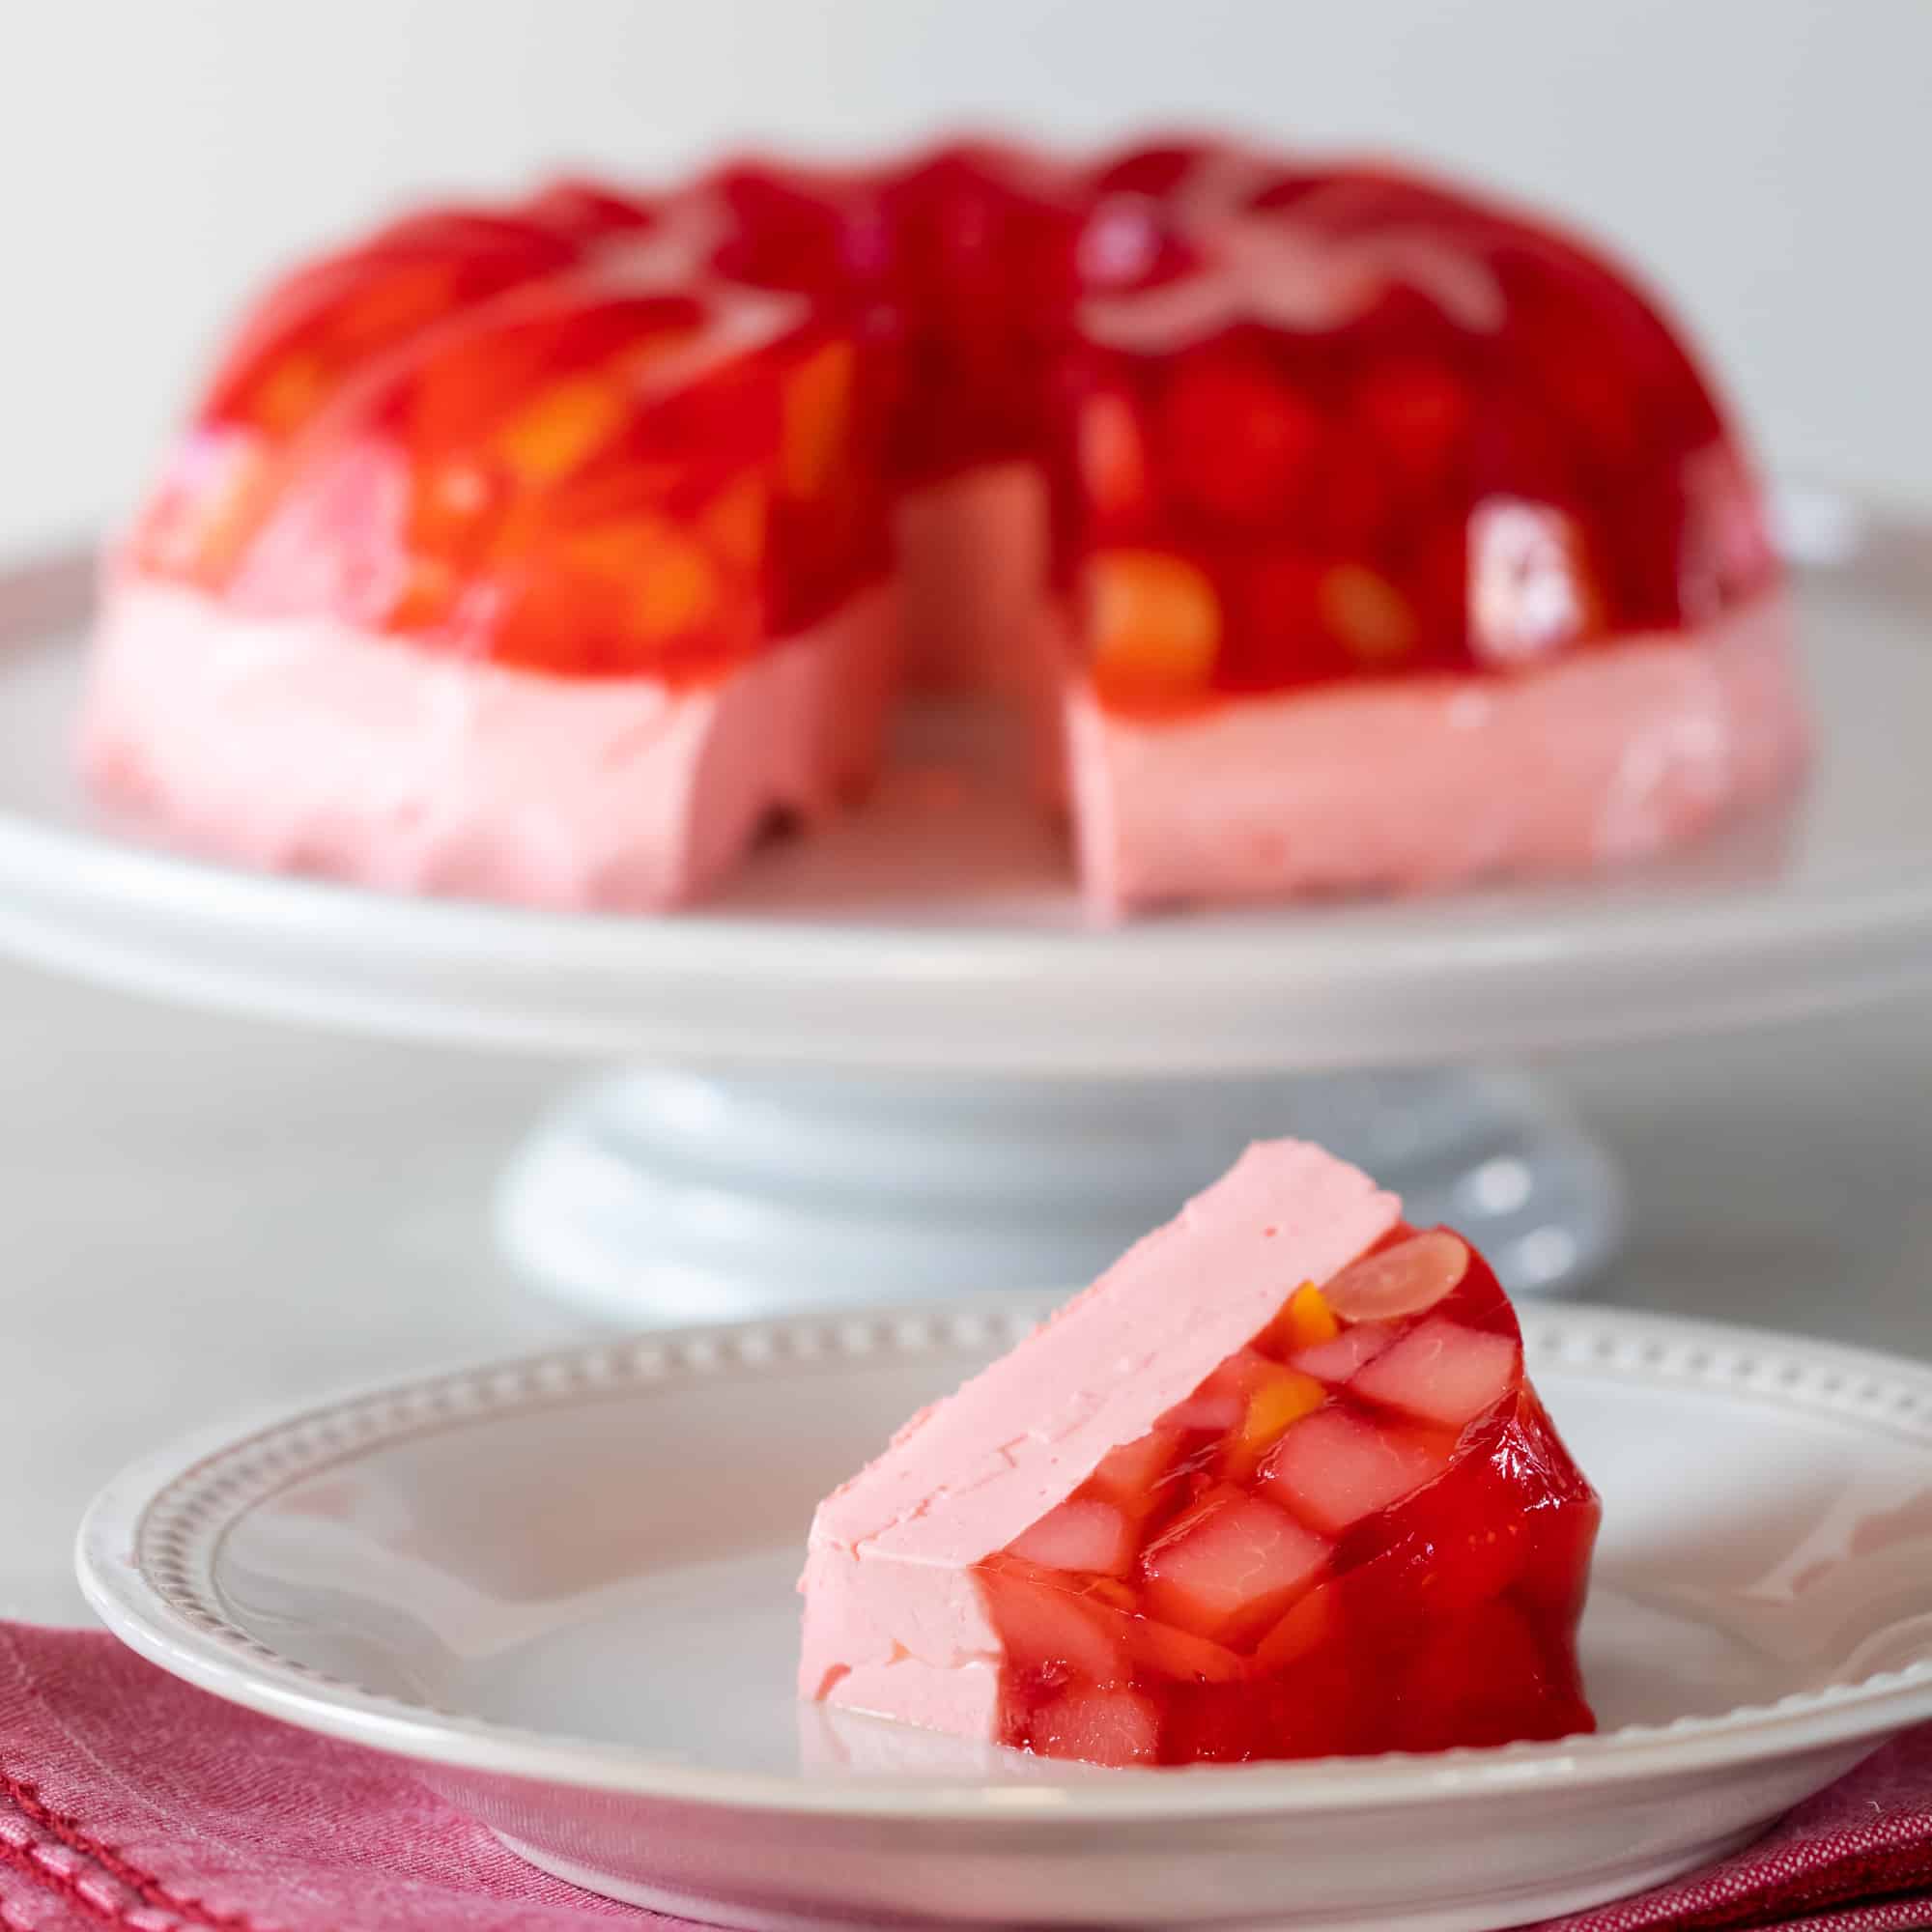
128	1799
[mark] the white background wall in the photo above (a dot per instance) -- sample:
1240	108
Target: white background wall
1770	160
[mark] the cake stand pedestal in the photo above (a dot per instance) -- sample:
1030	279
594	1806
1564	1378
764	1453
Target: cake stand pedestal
696	1196
893	1060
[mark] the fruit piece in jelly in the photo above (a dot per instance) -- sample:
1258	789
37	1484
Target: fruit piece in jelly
1156	626
1229	1567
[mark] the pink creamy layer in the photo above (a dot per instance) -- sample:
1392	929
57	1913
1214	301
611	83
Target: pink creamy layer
311	746
1600	757
894	1619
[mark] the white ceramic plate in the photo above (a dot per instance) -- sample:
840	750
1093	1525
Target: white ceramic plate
923	941
564	1587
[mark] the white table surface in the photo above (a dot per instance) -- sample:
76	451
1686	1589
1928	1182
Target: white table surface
199	1215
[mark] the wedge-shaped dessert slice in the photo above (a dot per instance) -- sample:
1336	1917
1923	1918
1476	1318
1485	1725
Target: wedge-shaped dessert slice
509	557
1275	1486
1404	545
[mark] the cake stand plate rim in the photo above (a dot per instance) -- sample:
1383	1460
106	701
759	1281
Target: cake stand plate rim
1013	985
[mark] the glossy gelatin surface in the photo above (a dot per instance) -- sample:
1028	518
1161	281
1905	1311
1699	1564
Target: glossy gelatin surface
1362	427
960	265
1298	424
1359	1534
541	442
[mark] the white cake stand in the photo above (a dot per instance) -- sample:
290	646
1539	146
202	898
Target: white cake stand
893	1059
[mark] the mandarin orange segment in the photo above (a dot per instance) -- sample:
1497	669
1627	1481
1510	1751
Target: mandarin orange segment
1154	622
677	588
560	427
1285	1398
1308	1321
817	411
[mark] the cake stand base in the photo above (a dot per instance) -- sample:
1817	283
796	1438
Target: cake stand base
660	1196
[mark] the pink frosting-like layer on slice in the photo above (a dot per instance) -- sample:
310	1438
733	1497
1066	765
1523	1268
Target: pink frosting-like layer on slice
1602	756
311	746
893	1618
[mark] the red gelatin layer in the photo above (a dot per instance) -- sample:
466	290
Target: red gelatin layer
1297	425
576	479
1381	429
1360	1533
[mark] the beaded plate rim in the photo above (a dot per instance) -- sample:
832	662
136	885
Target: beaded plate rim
148	1551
